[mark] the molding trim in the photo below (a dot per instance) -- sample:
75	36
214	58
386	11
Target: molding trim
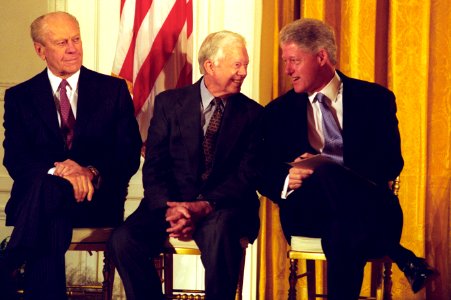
56	5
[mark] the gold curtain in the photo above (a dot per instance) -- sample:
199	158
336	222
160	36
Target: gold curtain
405	46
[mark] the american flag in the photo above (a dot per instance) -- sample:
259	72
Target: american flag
154	51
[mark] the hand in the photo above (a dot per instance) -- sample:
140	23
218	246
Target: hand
297	175
182	229
67	167
182	217
197	209
82	185
181	225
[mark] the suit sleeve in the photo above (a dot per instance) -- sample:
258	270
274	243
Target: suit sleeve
239	185
157	165
128	140
20	158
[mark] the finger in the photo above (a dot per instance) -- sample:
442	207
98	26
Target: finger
79	190
90	190
173	217
184	212
82	188
298	159
176	227
58	169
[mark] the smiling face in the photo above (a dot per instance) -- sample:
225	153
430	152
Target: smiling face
60	45
309	71
225	77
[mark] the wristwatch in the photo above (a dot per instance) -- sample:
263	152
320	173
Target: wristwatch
95	176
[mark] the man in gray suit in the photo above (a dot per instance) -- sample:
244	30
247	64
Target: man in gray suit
199	176
71	145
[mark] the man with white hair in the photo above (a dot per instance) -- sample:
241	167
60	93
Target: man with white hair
198	176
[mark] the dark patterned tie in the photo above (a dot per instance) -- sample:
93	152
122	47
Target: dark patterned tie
333	141
211	135
67	116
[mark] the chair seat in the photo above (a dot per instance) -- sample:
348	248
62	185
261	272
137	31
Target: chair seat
165	268
310	250
176	246
91	235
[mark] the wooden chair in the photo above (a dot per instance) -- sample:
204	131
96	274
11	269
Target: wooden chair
380	284
175	246
93	239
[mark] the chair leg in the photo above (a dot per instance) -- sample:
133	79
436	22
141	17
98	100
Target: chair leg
377	283
108	277
239	288
311	280
168	265
293	278
387	280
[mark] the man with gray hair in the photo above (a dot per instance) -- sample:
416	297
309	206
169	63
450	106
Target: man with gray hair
349	127
199	176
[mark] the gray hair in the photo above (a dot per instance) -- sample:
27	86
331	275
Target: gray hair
39	25
310	34
212	47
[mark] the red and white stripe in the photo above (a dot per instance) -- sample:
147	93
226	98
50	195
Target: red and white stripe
154	50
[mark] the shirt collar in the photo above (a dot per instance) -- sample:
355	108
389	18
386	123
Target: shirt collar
206	95
330	90
55	80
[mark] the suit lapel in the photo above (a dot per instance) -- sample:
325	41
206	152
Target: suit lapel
188	116
43	100
84	103
234	120
348	107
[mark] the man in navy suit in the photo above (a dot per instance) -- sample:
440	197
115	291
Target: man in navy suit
186	195
63	181
345	200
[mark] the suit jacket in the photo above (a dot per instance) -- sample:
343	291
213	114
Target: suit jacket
174	156
106	136
371	141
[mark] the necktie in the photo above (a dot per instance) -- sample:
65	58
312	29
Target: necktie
67	116
211	135
333	141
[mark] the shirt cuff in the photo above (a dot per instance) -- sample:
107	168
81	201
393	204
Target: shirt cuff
285	192
51	171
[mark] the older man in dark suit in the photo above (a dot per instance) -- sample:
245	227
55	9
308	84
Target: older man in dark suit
71	145
198	176
345	199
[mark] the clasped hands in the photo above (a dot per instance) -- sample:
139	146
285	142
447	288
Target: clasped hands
297	175
80	178
183	216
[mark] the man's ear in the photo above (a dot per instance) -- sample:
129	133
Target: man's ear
322	56
40	50
209	67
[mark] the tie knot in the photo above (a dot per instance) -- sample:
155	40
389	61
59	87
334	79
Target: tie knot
321	97
63	84
217	102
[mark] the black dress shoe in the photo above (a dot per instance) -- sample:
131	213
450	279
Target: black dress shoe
418	272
